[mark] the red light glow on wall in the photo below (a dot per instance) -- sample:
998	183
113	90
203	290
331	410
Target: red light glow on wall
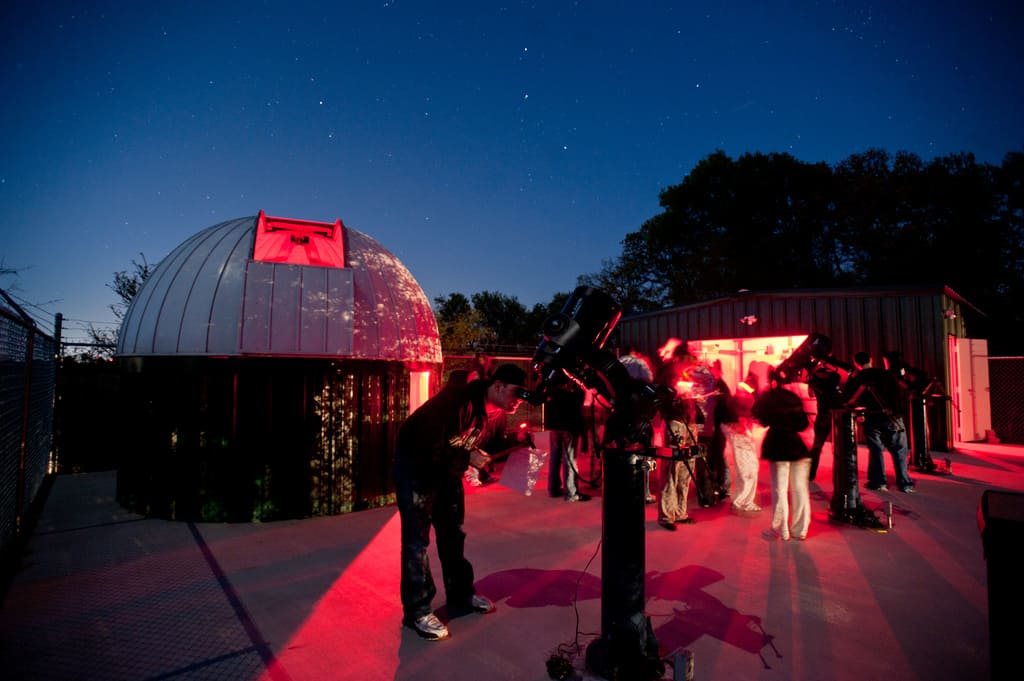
419	389
739	356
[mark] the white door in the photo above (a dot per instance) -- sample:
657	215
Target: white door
972	405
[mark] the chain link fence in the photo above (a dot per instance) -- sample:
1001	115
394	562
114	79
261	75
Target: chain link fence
27	379
1006	381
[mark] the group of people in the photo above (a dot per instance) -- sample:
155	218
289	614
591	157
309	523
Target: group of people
436	442
765	418
705	412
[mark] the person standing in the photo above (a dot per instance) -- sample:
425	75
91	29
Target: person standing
432	453
481	367
480	371
782	412
684	374
563	419
878	393
719	475
737	425
824	383
637	366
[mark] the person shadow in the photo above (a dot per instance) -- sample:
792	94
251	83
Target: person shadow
701	614
697	614
694	612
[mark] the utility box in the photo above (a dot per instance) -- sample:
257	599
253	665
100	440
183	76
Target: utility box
1001	522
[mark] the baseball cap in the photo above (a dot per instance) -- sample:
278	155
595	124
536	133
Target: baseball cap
510	374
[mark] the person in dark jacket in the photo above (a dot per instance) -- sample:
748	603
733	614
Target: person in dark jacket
825	384
878	393
432	453
563	418
782	412
714	408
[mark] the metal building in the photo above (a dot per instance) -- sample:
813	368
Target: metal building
929	325
267	363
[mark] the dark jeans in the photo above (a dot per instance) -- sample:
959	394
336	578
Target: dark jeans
440	504
709	472
887	434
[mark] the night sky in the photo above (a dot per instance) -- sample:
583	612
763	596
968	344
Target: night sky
491	146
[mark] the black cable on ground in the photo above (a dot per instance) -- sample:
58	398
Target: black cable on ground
560	663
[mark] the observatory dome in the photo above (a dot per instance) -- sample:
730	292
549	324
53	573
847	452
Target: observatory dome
279	287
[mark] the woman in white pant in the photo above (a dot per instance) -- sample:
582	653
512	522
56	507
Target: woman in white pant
738	426
783	413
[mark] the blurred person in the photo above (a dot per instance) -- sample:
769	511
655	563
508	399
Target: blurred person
684	374
737	425
758	373
637	366
668	349
719	479
481	368
476	476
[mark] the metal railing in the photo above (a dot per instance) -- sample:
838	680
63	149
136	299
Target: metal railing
28	370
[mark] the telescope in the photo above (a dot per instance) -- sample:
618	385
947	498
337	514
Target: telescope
815	350
572	348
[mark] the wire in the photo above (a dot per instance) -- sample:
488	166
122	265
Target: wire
39	315
109	322
560	662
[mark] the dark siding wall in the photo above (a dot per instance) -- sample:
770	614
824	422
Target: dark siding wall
915	322
260	439
911	322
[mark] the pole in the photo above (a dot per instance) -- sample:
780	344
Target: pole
627	648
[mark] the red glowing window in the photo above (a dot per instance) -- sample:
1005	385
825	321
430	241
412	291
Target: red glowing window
299	242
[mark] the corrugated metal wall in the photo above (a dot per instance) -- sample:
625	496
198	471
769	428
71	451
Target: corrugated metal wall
914	321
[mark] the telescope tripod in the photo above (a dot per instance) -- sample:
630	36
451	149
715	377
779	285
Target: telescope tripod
846	506
627	649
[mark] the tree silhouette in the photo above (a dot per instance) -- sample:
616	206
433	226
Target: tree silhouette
772	222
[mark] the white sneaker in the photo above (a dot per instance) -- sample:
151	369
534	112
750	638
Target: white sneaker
481	604
430	628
